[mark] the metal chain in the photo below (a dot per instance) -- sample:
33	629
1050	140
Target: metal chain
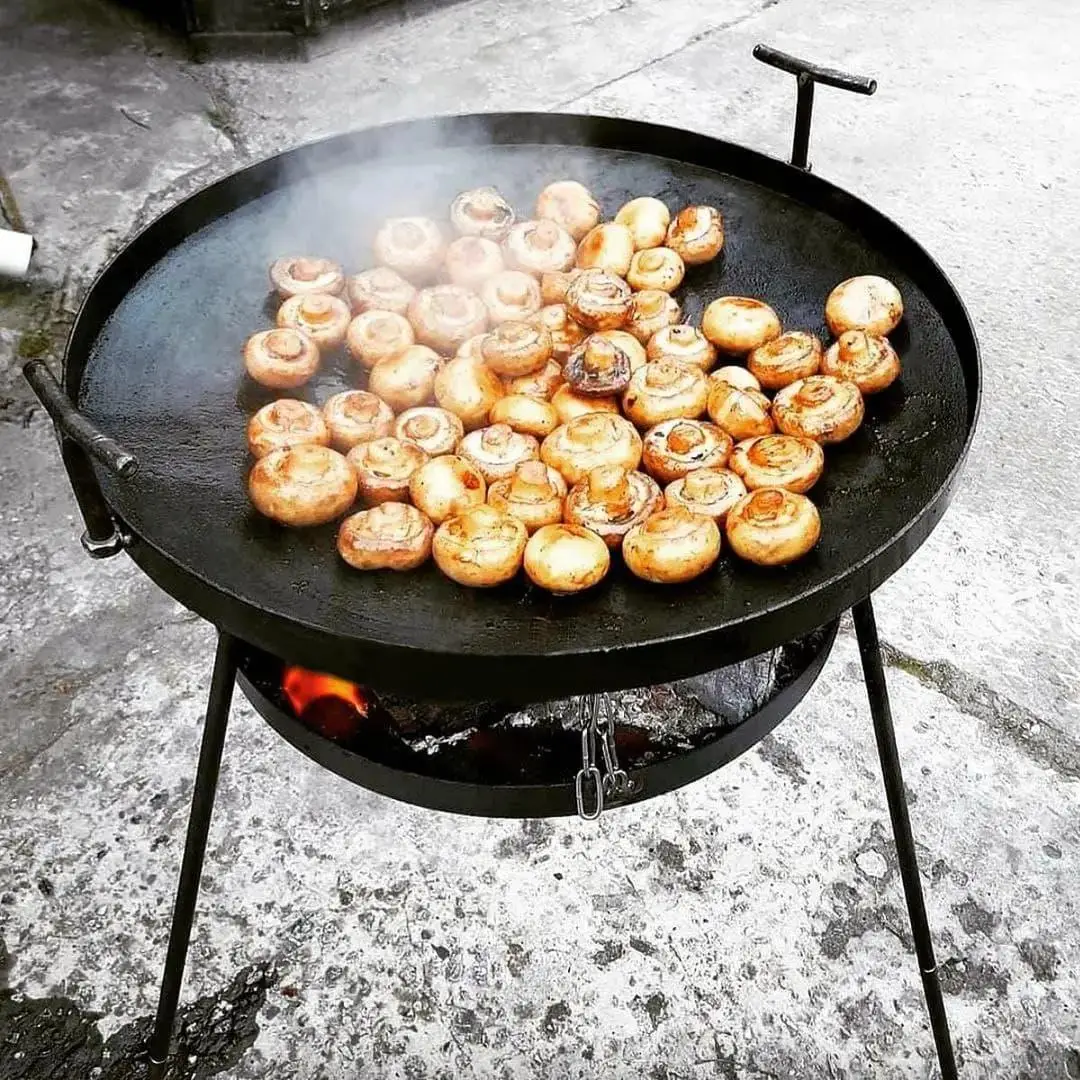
588	776
616	778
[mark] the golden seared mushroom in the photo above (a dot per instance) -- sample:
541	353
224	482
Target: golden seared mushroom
496	451
582	444
480	547
656	268
569	204
628	344
598	300
382	289
566	559
822	407
406	380
647	219
529	415
482	212
710	492
672	546
446	316
281	359
597	368
445	486
295	276
468	388
741	413
390	536
651	311
471	347
684	343
471	260
737	324
771	526
324	318
540	247
375	335
782	461
534	494
610	501
696	234
516	348
413	246
384	468
434	430
553	285
355	416
302	485
734	375
664	390
791	356
566	335
677	447
868	302
512	296
569	405
870	362
286	422
540	384
607	247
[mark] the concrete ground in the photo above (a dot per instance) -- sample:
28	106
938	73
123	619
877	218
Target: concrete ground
751	925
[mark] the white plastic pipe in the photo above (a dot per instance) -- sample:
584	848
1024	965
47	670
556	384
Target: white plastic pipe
15	249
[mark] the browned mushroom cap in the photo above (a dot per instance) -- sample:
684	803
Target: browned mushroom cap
355	416
445	486
446	316
598	438
672	546
281	359
869	303
780	461
324	318
741	413
610	500
677	447
516	348
737	324
664	390
533	494
529	415
384	468
566	335
540	384
480	547
468	388
553	285
598	300
608	247
540	247
684	343
734	375
869	362
382	288
391	536
436	431
696	234
791	356
628	344
286	422
647	219
375	335
656	268
471	260
302	485
598	368
651	311
512	296
569	405
771	526
413	246
566	559
296	275
821	407
569	204
406	380
482	212
498	450
710	492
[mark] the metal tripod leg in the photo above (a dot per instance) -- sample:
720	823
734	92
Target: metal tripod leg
187	891
874	674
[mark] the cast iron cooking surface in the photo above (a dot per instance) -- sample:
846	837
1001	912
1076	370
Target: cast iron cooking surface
164	376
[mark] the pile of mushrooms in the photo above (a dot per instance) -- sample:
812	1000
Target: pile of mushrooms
527	395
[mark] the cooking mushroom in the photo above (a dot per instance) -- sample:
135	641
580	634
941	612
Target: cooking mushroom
791	356
598	300
711	492
375	335
737	324
381	288
741	413
677	447
629	345
734	375
384	468
656	268
512	296
471	260
684	343
672	546
569	405
436	431
496	451
355	416
610	500
468	388
664	390
302	485
390	536
540	247
566	335
553	285
529	415
569	204
868	302
471	347
781	461
480	547
696	234
296	275
446	316
538	384
870	362
281	359
445	486
607	247
651	311
482	212
406	380
286	422
597	368
822	407
413	246
533	494
516	348
647	219
598	438
566	559
771	526
324	318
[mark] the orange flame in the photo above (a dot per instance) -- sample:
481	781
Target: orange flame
302	687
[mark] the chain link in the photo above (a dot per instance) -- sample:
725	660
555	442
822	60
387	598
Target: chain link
588	784
616	778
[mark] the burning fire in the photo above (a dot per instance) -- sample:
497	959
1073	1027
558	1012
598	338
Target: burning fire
331	705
